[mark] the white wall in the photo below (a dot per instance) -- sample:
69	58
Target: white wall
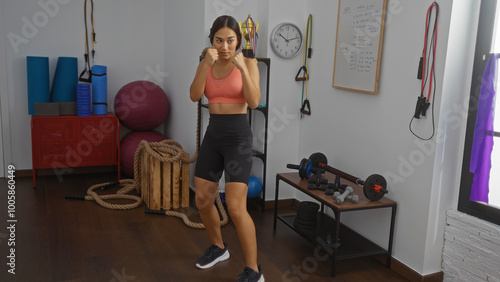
284	98
129	40
182	49
360	133
3	97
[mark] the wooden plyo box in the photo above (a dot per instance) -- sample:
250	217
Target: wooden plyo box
164	186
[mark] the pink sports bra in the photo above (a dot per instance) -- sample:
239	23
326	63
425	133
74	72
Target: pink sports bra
227	90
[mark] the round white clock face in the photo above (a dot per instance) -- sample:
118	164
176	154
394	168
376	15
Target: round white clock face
286	40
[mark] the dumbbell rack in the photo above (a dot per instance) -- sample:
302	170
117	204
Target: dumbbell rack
329	231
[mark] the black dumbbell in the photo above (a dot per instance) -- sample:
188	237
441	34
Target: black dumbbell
317	183
335	186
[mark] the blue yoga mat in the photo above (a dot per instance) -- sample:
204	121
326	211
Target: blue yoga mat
37	69
99	90
65	80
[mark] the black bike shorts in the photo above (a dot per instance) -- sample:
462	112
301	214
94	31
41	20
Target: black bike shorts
226	146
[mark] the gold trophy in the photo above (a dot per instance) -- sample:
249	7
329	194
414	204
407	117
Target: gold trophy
249	30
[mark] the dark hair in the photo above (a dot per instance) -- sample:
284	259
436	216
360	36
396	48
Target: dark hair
225	21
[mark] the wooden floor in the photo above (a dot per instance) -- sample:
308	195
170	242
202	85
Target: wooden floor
67	240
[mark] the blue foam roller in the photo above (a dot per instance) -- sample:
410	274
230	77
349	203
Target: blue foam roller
38	81
99	90
83	100
65	80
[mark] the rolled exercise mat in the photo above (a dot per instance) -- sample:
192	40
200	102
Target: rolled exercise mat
65	80
83	108
38	81
99	90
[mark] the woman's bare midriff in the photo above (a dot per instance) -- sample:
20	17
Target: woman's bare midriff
227	109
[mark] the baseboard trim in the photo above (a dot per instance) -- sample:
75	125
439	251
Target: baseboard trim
24	173
410	274
396	266
434	277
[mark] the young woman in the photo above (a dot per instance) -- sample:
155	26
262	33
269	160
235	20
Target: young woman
230	82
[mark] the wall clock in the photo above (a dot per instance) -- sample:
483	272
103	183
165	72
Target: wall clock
286	40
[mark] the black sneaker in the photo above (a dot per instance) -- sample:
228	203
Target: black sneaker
212	255
249	275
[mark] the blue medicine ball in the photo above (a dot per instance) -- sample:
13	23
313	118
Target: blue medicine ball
254	187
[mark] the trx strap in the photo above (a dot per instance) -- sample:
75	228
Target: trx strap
305	107
86	75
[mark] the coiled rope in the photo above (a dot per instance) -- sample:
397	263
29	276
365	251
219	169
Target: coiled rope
154	149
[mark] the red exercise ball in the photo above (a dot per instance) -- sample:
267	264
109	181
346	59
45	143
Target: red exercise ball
141	105
129	144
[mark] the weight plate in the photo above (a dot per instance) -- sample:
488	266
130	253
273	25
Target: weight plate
308	205
307	212
308	221
317	158
368	187
304	222
307	216
304	227
303	169
308	169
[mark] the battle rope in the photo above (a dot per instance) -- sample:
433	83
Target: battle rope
88	68
154	149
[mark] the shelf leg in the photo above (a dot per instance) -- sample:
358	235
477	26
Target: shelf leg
391	236
276	202
336	245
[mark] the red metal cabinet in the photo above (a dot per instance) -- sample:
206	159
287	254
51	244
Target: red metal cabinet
72	141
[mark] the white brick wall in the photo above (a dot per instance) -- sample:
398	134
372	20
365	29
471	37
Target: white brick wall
471	249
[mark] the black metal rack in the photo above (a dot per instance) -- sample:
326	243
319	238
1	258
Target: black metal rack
338	240
264	109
